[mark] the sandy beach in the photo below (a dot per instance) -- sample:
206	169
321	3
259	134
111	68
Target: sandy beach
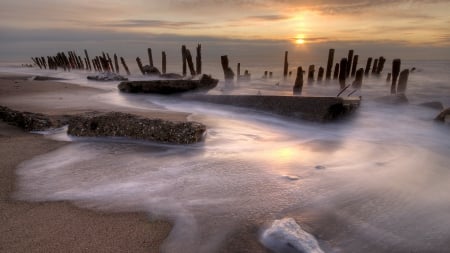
60	226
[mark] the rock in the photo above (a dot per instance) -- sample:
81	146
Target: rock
168	86
151	70
117	124
443	116
31	121
286	235
107	76
45	78
396	99
433	105
171	76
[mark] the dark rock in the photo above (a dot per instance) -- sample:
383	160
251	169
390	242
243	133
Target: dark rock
444	116
433	105
151	70
395	99
31	121
174	76
168	86
46	78
136	127
107	76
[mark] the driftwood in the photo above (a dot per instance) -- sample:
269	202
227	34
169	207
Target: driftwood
168	86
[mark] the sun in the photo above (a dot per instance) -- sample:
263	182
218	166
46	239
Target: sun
300	39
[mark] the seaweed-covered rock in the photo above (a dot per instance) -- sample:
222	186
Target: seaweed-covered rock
444	116
107	76
136	127
168	86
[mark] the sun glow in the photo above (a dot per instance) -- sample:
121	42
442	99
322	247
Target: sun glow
300	39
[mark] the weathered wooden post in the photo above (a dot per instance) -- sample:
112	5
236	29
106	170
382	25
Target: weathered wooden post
228	73
81	64
403	81
329	63
375	66
298	85
320	74
336	71
388	78
355	63
290	73
270	75
88	60
125	65
395	71
349	62
238	76
36	62
150	57
381	62
139	63
183	58
369	63
265	74
198	59
358	79
110	63
343	72
163	64
190	63
43	62
116	63
311	73
286	65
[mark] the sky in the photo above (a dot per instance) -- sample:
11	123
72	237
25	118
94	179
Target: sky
416	29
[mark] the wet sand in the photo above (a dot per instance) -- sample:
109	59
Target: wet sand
60	226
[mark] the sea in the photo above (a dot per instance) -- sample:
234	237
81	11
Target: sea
375	181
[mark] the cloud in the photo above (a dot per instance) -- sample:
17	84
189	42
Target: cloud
152	23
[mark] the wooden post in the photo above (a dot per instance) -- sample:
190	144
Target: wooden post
358	79
343	72
125	65
286	65
369	63
88	60
388	78
163	64
403	81
80	63
355	63
329	63
349	62
43	62
150	57
238	76
116	63
336	71
298	85
110	64
311	74
375	66
270	74
183	57
320	74
265	74
228	73
198	59
190	63
139	63
395	71
290	73
381	62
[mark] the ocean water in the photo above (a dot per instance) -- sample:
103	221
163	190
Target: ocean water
377	181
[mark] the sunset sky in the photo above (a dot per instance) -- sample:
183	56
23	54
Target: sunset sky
414	24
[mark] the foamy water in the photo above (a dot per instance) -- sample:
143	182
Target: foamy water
375	182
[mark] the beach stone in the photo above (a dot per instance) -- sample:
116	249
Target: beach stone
151	70
107	76
118	124
433	105
443	116
168	86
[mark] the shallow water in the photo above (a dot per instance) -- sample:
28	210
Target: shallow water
375	182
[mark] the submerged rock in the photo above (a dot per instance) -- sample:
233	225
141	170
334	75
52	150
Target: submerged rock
397	99
443	116
433	105
117	124
168	86
286	236
107	76
31	121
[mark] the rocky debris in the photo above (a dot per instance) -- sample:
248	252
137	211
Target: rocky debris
395	99
320	109
107	76
168	86
286	235
115	124
151	70
444	116
433	105
31	121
